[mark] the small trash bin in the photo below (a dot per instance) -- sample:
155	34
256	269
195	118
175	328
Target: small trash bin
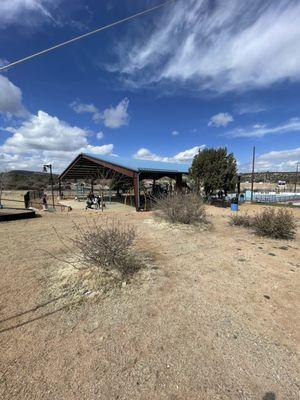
234	204
234	207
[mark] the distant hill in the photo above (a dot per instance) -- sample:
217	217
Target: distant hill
272	177
24	180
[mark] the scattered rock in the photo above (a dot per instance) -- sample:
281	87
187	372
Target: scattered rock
267	297
283	248
272	254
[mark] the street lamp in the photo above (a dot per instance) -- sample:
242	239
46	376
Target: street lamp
45	169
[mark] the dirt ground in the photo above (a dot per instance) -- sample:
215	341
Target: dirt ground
215	315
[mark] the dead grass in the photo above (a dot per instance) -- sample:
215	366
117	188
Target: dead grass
203	325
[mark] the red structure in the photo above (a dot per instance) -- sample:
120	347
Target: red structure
89	167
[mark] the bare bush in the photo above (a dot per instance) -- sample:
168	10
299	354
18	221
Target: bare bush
274	223
107	246
277	224
241	220
181	208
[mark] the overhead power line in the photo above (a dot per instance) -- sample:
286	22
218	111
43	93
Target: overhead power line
102	28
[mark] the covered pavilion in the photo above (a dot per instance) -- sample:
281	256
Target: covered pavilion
88	167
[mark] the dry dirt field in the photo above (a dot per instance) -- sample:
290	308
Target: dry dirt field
215	315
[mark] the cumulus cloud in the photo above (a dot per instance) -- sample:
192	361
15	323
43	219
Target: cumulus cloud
259	130
283	160
185	156
221	119
219	45
42	138
175	133
25	12
112	117
10	99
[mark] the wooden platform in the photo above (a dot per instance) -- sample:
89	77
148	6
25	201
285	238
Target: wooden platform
12	214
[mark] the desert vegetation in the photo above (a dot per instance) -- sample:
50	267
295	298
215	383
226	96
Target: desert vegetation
105	247
274	223
181	208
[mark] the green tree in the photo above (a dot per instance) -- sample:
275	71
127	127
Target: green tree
214	169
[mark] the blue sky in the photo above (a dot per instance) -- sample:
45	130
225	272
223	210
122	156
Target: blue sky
191	75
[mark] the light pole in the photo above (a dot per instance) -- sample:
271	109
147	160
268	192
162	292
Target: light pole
252	175
45	169
296	176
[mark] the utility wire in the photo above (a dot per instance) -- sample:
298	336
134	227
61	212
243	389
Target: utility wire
85	35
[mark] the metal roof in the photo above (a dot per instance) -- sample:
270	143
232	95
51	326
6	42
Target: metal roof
142	165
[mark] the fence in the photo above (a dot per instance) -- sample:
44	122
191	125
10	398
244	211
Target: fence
275	198
19	204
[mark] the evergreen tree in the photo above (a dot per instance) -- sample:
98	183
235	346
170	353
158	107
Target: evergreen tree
213	170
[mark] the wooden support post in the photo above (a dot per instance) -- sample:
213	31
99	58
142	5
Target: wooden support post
59	189
239	184
92	185
136	186
178	185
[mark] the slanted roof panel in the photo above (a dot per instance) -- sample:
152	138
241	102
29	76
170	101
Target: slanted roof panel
143	165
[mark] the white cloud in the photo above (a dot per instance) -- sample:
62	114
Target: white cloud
189	154
10	99
220	45
115	117
293	125
112	117
221	119
25	12
258	126
175	133
100	135
185	156
249	108
81	108
145	154
43	138
283	160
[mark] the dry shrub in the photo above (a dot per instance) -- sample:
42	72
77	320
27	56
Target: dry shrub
274	223
277	224
241	220
181	208
107	246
